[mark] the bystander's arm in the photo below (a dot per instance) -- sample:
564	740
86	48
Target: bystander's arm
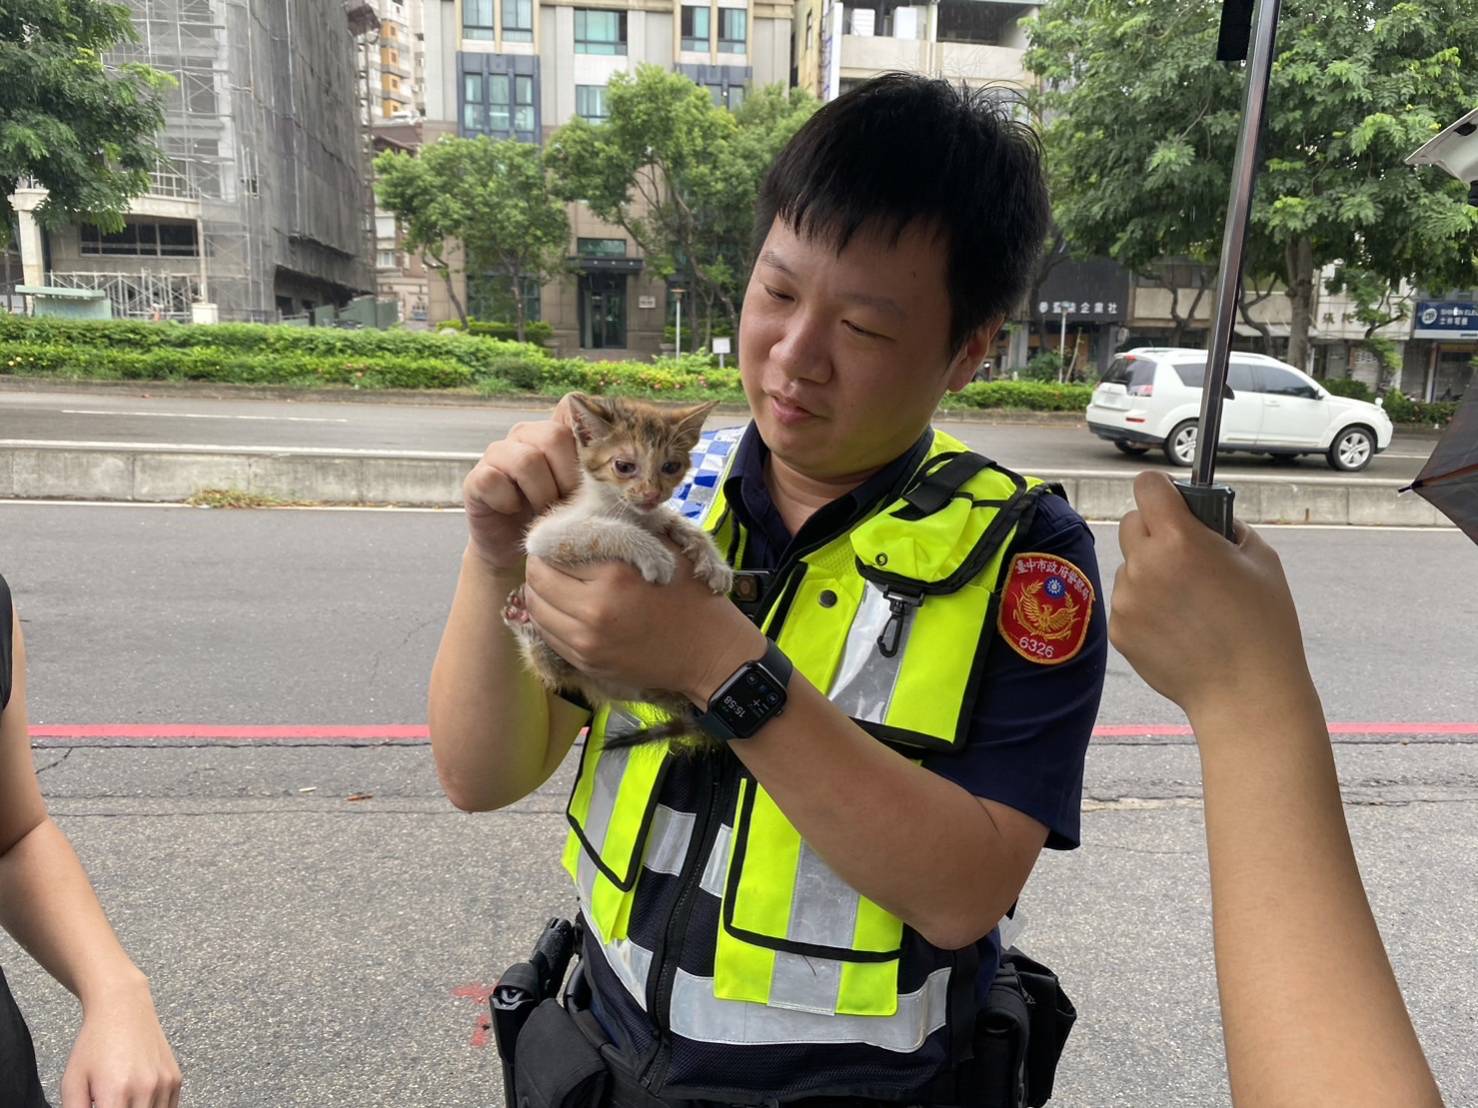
1310	1006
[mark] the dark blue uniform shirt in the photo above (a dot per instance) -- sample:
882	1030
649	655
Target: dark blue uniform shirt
1032	723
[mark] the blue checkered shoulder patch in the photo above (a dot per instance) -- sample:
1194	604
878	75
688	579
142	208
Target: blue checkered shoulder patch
710	457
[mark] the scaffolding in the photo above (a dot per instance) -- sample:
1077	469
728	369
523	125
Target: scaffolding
262	136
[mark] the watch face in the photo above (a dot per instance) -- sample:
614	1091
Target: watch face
753	698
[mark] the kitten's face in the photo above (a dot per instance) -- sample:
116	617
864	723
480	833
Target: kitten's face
638	451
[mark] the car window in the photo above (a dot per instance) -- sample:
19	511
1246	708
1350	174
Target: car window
1241	376
1246	377
1279	382
1129	371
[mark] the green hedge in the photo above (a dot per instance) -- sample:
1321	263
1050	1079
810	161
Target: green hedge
309	357
1034	396
1350	388
535	331
1402	409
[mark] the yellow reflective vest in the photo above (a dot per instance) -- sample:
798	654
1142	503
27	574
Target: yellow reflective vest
722	934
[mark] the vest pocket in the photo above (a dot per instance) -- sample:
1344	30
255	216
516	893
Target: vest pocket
794	934
610	814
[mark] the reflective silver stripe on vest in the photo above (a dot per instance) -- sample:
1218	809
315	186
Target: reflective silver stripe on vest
631	963
698	1014
667	846
667	840
865	679
824	913
608	773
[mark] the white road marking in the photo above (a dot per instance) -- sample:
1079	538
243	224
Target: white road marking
204	415
197	508
1389	529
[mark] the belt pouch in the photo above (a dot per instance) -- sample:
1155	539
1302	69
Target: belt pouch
1052	1017
557	1066
999	1066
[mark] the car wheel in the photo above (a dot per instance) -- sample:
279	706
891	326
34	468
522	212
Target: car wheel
1352	449
1180	446
1133	449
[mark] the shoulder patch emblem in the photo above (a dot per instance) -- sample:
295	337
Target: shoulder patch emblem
1046	604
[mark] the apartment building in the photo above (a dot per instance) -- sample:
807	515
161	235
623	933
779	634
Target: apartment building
977	42
259	210
521	68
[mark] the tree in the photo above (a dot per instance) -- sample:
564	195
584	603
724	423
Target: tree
81	127
492	197
1144	124
680	175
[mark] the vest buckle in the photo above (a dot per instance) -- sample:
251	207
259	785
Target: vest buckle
900	602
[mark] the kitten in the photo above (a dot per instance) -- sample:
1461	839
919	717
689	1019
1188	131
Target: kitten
632	456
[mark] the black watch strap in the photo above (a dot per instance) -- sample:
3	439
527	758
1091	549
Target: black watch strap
750	698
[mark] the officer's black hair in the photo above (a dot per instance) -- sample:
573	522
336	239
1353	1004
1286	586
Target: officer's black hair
903	150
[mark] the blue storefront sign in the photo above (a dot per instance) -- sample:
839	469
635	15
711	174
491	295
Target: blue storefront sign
1443	319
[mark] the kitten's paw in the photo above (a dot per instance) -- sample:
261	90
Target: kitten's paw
514	612
714	572
656	565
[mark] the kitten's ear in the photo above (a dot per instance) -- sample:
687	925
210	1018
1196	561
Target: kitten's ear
592	416
688	422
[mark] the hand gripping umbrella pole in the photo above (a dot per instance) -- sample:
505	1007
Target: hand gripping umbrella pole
1212	502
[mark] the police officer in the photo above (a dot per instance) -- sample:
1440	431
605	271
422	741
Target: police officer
903	686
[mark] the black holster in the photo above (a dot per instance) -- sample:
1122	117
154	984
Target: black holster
526	1020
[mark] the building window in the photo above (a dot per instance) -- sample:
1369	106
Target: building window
385	259
477	19
598	32
508	100
472	103
726	96
518	20
590	103
490	298
695	27
151	240
601	248
733	30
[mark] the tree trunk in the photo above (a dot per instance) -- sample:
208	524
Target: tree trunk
1261	328
1300	260
518	305
451	291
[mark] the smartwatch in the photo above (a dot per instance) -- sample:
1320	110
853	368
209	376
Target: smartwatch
749	699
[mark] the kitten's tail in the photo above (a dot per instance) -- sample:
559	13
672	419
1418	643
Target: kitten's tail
679	727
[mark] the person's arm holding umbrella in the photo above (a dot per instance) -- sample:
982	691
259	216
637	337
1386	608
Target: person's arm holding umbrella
1311	1010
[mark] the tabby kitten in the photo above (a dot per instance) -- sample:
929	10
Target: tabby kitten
632	456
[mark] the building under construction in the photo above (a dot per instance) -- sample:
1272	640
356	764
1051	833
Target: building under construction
261	210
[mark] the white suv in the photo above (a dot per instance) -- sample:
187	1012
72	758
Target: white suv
1151	396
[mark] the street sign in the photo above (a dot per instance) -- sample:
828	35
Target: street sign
721	345
1440	319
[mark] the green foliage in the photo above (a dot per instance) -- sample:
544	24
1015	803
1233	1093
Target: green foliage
1036	396
1044	365
537	332
1145	120
490	196
1403	409
84	129
680	176
1351	388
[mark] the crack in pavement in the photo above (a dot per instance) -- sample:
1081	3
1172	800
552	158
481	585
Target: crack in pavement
53	764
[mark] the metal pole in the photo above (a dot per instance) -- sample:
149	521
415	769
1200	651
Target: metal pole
679	332
1234	239
1209	502
1062	346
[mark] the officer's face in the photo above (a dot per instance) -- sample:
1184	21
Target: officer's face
844	357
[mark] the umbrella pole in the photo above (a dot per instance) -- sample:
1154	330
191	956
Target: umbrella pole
1211	502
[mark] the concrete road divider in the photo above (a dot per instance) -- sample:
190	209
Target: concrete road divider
372	477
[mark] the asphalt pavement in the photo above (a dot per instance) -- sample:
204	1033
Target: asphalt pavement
318	921
142	418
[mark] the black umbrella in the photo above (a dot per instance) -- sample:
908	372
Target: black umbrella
1241	26
1449	480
